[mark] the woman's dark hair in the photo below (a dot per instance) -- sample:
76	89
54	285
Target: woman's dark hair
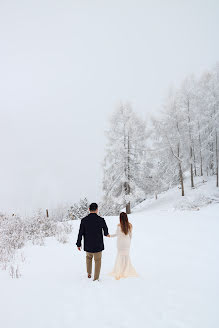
93	207
124	223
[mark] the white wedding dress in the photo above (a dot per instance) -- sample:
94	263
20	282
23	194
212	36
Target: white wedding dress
123	267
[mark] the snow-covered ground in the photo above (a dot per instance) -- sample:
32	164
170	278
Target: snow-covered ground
175	253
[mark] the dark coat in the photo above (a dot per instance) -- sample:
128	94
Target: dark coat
92	228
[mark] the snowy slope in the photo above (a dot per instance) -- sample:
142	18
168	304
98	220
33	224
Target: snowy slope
204	193
175	253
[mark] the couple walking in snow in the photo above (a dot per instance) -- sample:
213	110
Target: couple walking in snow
92	228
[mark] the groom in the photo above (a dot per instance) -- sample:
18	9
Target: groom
92	228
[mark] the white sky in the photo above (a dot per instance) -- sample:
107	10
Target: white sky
64	67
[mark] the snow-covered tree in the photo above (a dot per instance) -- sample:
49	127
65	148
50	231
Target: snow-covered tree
209	120
187	106
169	141
59	213
78	210
185	136
124	156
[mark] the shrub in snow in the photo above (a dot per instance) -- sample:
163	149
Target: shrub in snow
62	232
16	231
12	237
59	213
39	227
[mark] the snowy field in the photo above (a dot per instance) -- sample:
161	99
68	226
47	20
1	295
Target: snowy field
175	253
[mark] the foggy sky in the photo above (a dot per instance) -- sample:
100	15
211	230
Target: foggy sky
66	65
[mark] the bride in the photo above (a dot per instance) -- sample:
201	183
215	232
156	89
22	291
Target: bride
123	267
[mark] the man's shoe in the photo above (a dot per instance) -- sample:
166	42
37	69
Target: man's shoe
89	276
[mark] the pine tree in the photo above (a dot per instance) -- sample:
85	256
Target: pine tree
78	210
124	156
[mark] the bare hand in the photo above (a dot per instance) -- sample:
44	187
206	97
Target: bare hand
108	236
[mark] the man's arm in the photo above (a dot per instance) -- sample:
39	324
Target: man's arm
80	234
105	229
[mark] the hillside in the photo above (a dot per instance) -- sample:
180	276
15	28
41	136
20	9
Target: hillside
174	251
204	193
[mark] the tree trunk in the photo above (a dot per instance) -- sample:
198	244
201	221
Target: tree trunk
211	164
200	150
216	142
191	169
181	174
180	164
190	140
127	192
128	208
181	179
194	160
127	171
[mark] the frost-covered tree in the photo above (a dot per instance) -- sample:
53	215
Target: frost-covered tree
215	117
209	120
169	141
187	106
108	206
183	141
185	136
124	155
39	226
59	213
78	210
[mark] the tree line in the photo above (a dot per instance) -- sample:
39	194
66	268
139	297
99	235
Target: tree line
149	157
